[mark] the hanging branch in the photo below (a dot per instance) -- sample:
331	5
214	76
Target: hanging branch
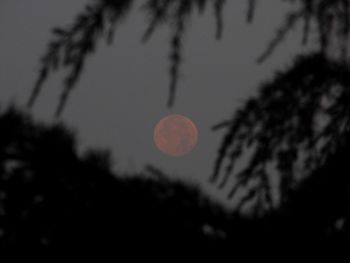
218	8
280	127
158	12
175	60
282	32
329	17
251	10
308	10
72	45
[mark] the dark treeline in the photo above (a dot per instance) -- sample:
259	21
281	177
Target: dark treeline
52	197
296	130
56	199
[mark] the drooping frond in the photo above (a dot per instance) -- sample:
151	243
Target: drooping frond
251	10
175	13
218	8
331	19
157	11
73	44
297	119
175	57
282	32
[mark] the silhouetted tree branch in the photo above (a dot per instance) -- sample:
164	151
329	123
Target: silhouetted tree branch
290	21
297	120
331	19
251	10
71	45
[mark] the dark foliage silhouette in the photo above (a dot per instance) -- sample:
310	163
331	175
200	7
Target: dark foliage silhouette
329	19
71	45
290	128
320	205
313	219
316	212
292	138
52	197
299	117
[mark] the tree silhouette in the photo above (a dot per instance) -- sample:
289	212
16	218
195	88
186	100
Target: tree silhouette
71	46
296	131
295	122
52	197
299	117
320	205
300	135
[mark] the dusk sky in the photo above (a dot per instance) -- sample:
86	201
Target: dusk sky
123	90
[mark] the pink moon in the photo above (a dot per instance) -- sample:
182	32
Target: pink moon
175	135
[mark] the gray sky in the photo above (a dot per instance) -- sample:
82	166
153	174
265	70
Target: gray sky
216	77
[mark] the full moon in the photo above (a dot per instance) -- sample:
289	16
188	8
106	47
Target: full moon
175	135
